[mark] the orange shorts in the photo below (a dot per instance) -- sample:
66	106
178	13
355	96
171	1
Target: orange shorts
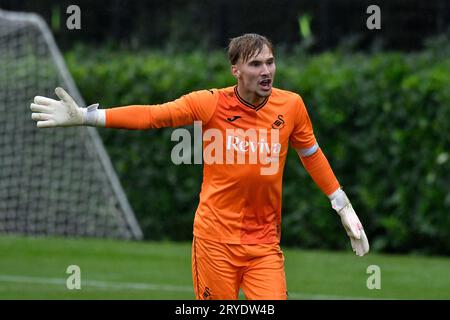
219	270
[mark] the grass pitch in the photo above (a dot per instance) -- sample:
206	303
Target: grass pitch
35	268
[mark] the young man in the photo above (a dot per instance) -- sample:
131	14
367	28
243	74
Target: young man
238	221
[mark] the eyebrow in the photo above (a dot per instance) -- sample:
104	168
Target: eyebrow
259	60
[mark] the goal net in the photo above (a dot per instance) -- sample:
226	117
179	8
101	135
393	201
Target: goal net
56	181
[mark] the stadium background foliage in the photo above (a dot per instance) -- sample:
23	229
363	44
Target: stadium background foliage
382	119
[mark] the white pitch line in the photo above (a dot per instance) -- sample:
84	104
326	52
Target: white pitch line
97	284
149	286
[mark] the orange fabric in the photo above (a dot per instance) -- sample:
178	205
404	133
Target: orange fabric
238	204
197	105
220	269
320	171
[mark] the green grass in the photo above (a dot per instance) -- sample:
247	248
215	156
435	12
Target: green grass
35	268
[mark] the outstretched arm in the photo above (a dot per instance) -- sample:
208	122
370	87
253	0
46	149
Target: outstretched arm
197	105
320	171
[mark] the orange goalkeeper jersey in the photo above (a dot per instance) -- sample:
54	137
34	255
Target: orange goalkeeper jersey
239	202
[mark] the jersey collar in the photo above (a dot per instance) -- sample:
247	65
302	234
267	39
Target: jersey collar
248	104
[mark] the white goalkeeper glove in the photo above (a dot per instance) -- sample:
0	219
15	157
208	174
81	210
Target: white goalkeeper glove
64	113
350	221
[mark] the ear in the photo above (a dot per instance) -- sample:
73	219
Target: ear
235	71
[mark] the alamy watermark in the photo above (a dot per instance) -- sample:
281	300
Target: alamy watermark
374	20
374	280
74	20
73	281
234	146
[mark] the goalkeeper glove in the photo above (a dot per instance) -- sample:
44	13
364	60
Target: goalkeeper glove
63	113
350	221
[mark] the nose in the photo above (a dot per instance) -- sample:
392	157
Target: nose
265	70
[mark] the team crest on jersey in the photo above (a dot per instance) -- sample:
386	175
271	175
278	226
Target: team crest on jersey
279	123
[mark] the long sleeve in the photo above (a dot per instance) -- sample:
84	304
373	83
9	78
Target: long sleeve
196	106
312	157
320	171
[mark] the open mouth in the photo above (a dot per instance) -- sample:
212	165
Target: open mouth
265	84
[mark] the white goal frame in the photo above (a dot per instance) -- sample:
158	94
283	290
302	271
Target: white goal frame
93	135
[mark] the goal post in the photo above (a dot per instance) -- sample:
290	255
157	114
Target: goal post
56	181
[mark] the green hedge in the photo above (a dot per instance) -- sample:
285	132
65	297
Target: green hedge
382	119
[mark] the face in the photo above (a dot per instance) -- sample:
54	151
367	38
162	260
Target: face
255	76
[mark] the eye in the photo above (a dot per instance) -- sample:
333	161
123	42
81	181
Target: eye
255	63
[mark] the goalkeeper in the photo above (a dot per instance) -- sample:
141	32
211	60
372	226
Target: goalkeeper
237	225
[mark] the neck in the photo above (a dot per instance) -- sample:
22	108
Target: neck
250	97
